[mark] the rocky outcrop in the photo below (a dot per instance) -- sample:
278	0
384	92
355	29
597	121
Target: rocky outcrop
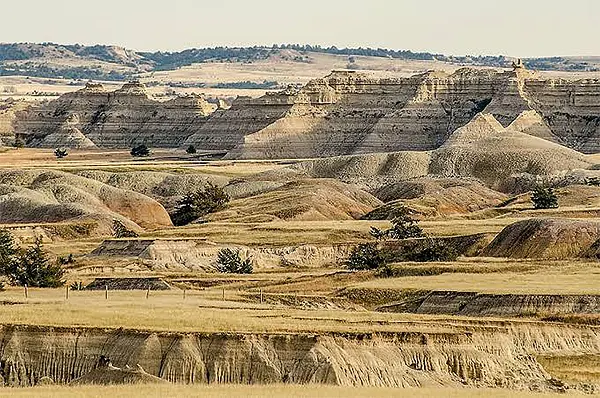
409	359
349	112
544	238
201	255
500	305
118	119
9	111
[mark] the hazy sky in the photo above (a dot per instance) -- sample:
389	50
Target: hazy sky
508	27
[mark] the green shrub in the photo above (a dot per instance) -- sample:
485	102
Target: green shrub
32	267
60	153
230	262
198	204
366	256
544	198
191	149
435	251
403	226
140	151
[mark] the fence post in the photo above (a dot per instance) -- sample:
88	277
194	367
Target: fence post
148	293
67	292
106	292
184	290
26	291
223	293
261	296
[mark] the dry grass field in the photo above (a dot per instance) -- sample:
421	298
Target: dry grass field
294	300
282	391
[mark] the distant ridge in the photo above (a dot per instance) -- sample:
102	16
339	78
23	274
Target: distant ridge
126	63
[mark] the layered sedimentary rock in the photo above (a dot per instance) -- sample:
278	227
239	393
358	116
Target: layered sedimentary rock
200	255
481	304
348	112
38	196
545	238
484	358
120	119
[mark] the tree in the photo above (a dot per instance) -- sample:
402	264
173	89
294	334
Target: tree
31	267
230	262
435	251
8	252
544	198
365	256
121	231
60	153
403	227
194	205
191	150
140	151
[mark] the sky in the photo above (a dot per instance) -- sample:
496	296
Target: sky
520	28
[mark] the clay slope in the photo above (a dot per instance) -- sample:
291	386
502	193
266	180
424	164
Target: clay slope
485	150
436	197
166	188
369	170
482	150
305	199
544	238
30	197
348	112
121	119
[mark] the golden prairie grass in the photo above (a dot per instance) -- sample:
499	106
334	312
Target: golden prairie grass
291	391
548	277
201	311
572	368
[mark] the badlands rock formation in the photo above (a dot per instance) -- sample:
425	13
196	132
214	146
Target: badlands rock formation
481	149
544	238
118	119
341	114
348	112
477	357
38	196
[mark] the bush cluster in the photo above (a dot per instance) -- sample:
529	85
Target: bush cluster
197	204
230	261
28	266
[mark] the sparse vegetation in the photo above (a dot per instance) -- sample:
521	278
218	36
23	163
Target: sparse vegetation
28	267
140	151
194	205
230	261
544	198
403	227
366	256
121	231
60	153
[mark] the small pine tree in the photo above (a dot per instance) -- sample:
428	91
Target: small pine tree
140	151
200	203
544	198
365	256
60	153
32	268
230	262
191	150
121	231
403	227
